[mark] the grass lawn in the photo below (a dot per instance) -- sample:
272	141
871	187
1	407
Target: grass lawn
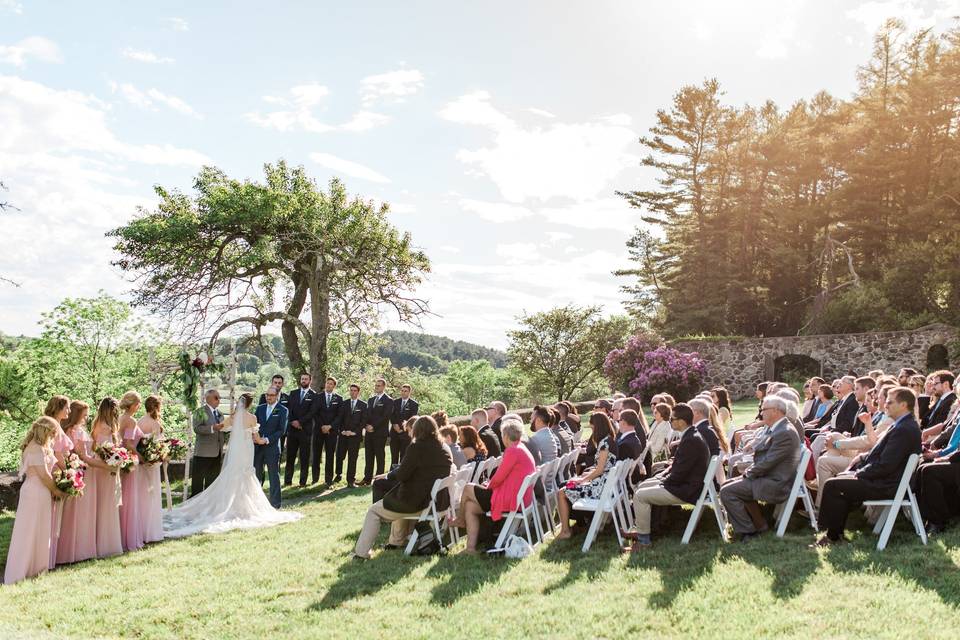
298	581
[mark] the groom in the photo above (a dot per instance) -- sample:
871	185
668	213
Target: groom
272	418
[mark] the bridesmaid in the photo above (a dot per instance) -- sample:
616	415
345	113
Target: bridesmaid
29	551
58	408
78	529
131	525
105	426
150	496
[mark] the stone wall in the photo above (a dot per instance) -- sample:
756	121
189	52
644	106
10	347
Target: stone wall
740	363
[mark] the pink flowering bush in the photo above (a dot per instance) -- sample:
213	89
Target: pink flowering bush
644	368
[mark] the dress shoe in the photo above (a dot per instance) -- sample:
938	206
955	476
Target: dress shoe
392	547
302	485
351	485
337	479
749	537
935	529
825	542
363	483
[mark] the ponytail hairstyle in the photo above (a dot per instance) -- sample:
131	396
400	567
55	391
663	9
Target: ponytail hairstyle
129	399
109	414
152	406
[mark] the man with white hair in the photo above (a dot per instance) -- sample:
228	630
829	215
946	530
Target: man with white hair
770	476
701	421
842	416
792	399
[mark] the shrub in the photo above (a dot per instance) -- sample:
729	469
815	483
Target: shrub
619	365
658	370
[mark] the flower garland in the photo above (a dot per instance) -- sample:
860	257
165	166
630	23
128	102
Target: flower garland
191	372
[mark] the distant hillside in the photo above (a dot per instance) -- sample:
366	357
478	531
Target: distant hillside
431	354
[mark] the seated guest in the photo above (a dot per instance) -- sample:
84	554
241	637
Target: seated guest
499	496
721	400
451	435
943	389
927	400
496	410
841	419
661	433
916	384
825	398
793	409
701	421
680	483
842	415
474	448
424	462
632	440
543	445
939	481
590	484
875	475
947	410
478	420
384	483
569	420
769	478
563	434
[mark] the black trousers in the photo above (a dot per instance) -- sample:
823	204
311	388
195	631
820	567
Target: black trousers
842	495
298	446
398	446
940	491
323	443
375	450
204	472
348	447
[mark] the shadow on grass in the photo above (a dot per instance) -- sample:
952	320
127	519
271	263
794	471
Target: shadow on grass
466	575
358	578
591	565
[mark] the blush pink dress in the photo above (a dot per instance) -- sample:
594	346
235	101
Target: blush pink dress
108	513
150	488
29	551
131	523
78	526
62	445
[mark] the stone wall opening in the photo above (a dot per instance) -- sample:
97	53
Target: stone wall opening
795	368
938	358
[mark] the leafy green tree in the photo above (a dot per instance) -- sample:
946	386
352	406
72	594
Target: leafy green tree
562	348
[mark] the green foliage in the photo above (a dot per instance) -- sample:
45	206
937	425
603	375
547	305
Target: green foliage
433	353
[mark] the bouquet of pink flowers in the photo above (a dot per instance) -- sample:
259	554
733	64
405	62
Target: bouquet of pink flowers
153	450
70	479
116	457
177	449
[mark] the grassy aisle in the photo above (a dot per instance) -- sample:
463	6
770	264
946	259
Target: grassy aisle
297	581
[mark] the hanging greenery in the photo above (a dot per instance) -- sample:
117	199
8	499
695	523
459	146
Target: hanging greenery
191	373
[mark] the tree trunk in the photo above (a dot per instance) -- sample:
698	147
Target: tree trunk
319	318
288	330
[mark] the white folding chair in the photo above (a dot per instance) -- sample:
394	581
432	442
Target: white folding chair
627	487
548	476
708	498
486	471
432	514
798	490
607	503
527	513
892	507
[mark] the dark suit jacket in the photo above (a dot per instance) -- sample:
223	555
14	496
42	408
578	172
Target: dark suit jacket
328	415
355	420
272	428
710	437
846	415
424	462
284	399
490	441
938	413
812	413
496	429
923	410
884	465
379	412
303	410
684	477
631	445
402	414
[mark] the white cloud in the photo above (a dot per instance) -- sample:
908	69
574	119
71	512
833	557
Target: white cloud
348	167
540	112
142	55
149	98
602	213
518	252
558	236
449	248
14	6
177	24
37	47
495	211
392	85
302	101
575	161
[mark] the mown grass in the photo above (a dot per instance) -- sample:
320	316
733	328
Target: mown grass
298	581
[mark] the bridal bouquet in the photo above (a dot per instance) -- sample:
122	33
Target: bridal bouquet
70	480
116	457
153	450
177	449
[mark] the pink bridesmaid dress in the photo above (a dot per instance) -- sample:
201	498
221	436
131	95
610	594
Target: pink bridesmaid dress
78	526
131	523
150	489
29	551
62	445
108	513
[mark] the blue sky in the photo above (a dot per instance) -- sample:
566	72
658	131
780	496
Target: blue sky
498	131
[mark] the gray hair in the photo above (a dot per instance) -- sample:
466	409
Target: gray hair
209	392
792	399
701	406
776	402
511	429
850	380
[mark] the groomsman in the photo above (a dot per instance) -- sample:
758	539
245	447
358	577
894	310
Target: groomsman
327	424
379	413
276	382
404	408
208	450
302	408
353	420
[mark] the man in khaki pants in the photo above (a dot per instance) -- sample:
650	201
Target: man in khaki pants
681	482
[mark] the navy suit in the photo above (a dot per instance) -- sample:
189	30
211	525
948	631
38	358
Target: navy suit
353	418
270	428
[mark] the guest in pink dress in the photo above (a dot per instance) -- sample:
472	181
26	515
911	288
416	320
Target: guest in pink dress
151	490
58	408
78	528
131	523
105	426
29	551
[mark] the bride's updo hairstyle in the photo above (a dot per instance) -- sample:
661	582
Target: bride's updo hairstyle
425	428
247	400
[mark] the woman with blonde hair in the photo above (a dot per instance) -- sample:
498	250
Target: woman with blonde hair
30	543
131	525
58	408
105	431
149	486
78	528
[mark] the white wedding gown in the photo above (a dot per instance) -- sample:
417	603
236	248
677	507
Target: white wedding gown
235	500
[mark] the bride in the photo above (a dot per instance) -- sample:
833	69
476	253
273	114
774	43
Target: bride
235	500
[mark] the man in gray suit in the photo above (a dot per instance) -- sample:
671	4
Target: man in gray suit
208	449
769	478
